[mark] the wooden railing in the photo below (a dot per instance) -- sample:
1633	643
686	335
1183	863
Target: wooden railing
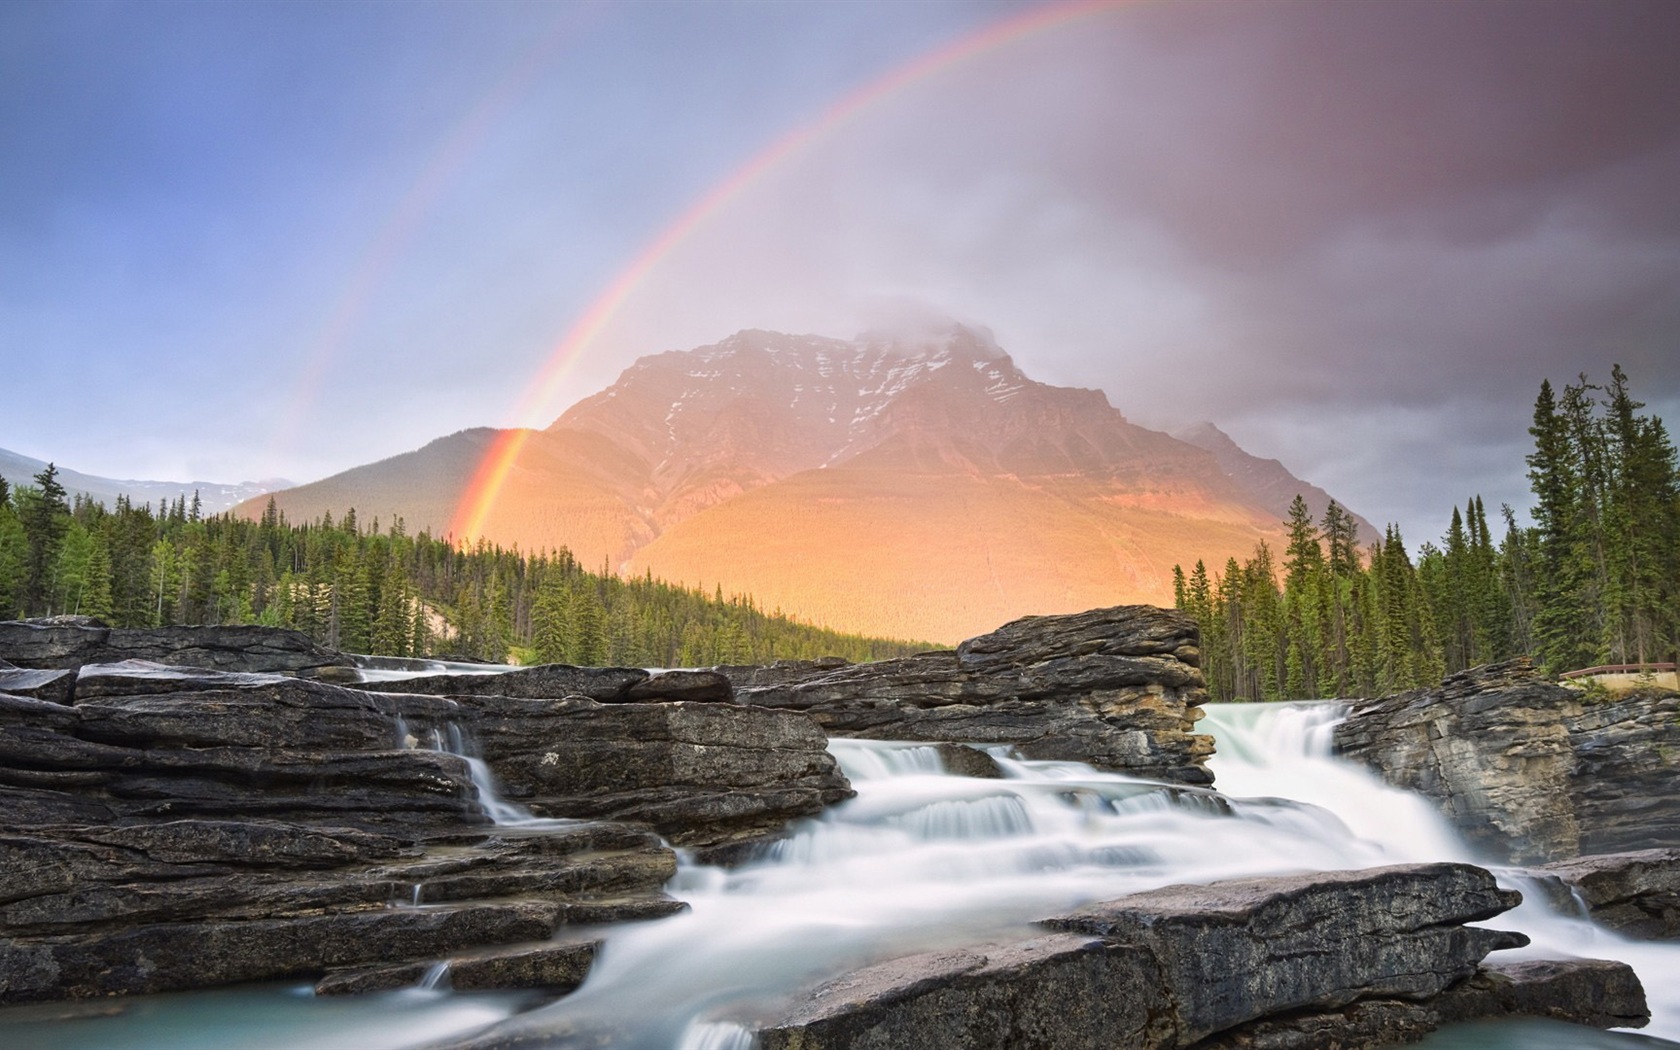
1619	669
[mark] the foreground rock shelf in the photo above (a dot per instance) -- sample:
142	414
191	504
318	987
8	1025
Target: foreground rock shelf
176	826
1345	959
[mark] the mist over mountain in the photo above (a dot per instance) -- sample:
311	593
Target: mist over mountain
214	496
908	484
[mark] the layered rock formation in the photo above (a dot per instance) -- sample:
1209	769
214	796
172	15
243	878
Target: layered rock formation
1525	768
1119	688
1635	893
74	641
173	827
1377	955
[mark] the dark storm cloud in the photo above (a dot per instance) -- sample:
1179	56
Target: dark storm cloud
1356	235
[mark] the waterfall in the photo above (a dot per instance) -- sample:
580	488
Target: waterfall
923	859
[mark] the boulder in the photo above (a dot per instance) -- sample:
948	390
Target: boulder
1119	688
1636	893
73	641
1524	768
1344	959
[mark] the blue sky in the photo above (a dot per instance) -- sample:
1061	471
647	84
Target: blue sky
241	240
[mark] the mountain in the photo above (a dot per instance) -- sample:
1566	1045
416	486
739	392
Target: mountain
1267	480
214	497
912	487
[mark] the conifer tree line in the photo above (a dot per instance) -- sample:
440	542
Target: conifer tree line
367	590
1594	580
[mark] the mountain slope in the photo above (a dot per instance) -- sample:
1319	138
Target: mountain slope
214	497
917	488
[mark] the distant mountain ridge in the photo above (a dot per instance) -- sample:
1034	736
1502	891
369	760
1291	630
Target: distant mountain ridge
214	497
912	487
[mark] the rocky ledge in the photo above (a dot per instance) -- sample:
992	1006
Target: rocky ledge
1635	893
1527	769
1343	959
1119	688
171	827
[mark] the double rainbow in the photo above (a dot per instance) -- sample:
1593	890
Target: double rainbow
481	492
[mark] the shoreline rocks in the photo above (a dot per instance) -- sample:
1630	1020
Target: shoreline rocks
1120	688
1524	768
1637	894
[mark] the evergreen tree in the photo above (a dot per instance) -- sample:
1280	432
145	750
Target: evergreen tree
45	516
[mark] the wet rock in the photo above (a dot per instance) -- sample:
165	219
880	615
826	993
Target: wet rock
1118	688
703	775
1637	893
1595	992
1524	768
158	957
1339	959
547	965
1241	949
180	828
55	686
964	761
1055	990
69	642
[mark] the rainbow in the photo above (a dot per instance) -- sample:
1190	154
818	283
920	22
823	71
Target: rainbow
409	214
479	497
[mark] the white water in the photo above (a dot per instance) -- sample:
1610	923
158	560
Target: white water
922	859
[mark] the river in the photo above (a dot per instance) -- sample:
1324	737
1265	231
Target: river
919	859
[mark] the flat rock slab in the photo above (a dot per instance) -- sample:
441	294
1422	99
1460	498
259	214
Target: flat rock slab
1171	967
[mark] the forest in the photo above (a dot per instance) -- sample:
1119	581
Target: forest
373	591
1593	580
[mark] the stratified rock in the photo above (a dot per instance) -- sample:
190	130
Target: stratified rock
960	760
1525	768
1118	688
1236	950
542	682
69	642
555	967
1595	992
702	775
1059	991
1635	893
53	685
179	828
1271	962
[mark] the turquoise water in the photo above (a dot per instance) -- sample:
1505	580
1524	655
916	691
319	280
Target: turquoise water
919	859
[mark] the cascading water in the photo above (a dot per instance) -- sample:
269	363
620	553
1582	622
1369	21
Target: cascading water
922	859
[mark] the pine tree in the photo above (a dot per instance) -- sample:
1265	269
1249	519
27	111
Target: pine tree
45	516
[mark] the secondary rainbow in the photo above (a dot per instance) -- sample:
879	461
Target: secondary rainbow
480	495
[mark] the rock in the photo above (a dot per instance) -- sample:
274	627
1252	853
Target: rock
1525	768
1237	950
542	682
1593	992
179	828
1118	688
55	686
1636	894
963	761
1058	991
68	642
548	965
698	686
702	775
1270	962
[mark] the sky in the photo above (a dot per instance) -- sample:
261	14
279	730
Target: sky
253	240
